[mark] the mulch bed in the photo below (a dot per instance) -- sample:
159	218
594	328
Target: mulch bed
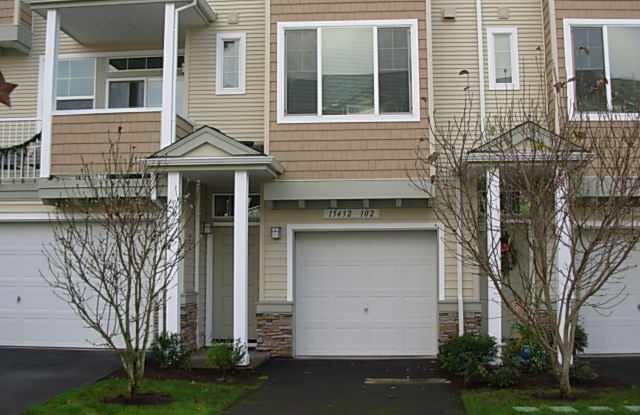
141	399
153	371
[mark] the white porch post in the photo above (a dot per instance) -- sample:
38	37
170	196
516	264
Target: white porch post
49	88
563	255
493	249
172	312
241	262
169	67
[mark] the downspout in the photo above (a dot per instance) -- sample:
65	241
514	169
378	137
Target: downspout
553	41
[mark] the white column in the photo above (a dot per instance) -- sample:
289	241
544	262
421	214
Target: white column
209	308
563	255
241	262
169	68
493	249
174	196
49	88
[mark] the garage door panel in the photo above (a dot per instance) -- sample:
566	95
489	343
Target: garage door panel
366	293
615	326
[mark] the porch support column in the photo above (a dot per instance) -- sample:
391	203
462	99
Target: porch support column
493	250
169	68
241	262
49	88
563	254
172	311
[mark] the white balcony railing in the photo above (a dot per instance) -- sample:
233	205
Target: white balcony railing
19	149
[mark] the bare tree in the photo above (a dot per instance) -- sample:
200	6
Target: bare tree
108	256
568	188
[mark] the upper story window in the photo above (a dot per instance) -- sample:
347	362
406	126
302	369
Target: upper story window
75	84
502	48
605	65
230	63
358	71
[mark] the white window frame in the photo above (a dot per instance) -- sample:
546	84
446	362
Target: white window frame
574	114
413	116
241	38
79	97
111	80
515	59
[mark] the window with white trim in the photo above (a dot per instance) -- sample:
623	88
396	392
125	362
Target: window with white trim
502	48
75	84
604	63
361	71
230	63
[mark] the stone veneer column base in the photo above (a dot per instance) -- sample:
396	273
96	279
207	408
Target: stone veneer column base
275	334
449	324
189	324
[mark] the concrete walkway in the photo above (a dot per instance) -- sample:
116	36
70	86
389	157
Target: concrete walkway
338	387
32	376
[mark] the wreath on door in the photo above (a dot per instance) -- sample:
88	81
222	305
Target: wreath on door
507	253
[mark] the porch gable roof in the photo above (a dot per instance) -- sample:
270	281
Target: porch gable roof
527	140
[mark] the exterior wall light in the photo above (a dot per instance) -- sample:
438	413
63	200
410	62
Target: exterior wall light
275	232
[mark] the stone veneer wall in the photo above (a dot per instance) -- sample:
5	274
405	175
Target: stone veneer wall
449	324
275	334
189	324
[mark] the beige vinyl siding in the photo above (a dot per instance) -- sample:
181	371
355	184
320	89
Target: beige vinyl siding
273	282
455	48
347	150
85	138
25	14
239	116
526	16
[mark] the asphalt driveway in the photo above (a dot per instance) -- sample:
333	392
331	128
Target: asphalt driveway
30	377
338	387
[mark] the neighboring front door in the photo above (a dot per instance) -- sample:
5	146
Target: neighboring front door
223	281
366	293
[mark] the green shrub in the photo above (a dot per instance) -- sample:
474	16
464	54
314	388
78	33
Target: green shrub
581	340
225	356
504	376
582	372
170	352
467	356
526	352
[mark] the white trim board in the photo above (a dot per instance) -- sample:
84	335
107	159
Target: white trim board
351	227
413	116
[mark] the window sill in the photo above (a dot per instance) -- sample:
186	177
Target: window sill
236	91
365	118
604	116
106	111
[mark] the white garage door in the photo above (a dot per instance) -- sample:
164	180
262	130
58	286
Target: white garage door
30	313
366	293
617	330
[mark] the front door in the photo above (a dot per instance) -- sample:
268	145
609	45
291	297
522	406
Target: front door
223	281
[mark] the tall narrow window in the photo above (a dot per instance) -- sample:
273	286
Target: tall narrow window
588	54
126	94
347	71
394	69
625	68
502	45
75	84
230	63
301	72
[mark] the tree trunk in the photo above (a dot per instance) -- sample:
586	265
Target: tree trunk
134	367
564	370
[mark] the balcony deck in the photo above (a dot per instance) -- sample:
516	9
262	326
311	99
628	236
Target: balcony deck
15	25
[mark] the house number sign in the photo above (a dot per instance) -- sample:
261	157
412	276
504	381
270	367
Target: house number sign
351	213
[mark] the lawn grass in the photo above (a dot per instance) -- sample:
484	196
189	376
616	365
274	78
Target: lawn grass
501	402
190	398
